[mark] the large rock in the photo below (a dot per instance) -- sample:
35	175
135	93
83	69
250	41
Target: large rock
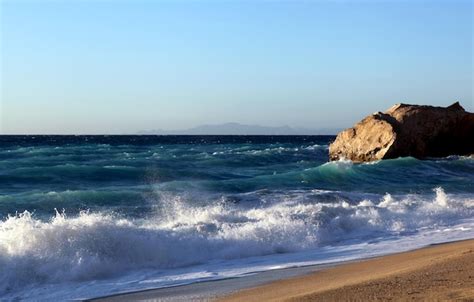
407	130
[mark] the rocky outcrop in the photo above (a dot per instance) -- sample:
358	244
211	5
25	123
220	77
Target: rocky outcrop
407	130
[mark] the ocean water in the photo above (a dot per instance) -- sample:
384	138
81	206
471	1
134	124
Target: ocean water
85	216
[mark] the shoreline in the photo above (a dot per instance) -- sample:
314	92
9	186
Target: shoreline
329	281
437	272
212	289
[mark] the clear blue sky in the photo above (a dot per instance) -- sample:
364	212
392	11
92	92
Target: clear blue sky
124	66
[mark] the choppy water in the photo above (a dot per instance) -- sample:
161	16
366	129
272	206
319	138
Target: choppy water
83	216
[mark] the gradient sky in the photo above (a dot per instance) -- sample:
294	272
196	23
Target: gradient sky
123	66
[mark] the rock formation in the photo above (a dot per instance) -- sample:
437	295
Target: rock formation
407	130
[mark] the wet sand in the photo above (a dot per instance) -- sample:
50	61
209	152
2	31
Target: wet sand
441	272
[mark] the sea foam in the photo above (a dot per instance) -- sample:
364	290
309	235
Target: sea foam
97	245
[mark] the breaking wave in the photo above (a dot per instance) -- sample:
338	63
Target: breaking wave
96	245
148	211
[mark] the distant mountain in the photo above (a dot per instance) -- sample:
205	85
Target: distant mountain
241	129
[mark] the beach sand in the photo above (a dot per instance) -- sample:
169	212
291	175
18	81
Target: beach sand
440	272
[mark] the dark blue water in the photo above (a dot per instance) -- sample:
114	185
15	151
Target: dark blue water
121	173
115	206
40	173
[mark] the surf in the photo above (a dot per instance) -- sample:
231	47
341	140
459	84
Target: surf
97	245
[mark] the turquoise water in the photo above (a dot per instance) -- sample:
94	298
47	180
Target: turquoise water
76	209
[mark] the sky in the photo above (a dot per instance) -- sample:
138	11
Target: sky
119	67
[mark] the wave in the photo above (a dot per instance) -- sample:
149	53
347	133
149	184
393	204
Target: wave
35	174
402	175
74	200
180	233
251	150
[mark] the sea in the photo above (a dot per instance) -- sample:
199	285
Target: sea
88	216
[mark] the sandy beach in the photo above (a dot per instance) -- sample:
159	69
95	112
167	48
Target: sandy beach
441	272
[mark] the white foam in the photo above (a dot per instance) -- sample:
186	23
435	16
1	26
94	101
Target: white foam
340	164
441	198
185	243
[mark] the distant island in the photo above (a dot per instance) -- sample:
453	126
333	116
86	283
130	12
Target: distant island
242	129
